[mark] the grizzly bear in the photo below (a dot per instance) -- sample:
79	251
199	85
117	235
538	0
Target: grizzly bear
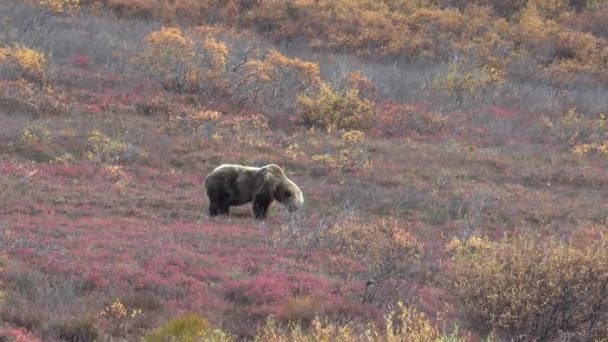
232	185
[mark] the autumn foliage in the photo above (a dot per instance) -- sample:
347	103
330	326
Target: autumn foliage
452	156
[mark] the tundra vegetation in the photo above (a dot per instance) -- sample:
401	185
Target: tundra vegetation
453	155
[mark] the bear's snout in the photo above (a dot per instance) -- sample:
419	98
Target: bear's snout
298	202
295	203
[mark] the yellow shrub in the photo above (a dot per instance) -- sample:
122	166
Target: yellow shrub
188	328
550	8
353	137
116	310
31	63
473	244
598	148
406	324
409	324
577	130
356	80
302	309
104	148
60	6
454	81
217	54
349	154
36	134
4	54
334	111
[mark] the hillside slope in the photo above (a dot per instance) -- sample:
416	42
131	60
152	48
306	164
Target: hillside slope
454	170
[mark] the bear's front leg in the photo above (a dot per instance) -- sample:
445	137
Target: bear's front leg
261	203
218	209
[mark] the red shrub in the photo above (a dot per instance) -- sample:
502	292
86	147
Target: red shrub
19	335
81	61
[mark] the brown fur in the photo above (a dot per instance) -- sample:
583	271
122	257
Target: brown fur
233	185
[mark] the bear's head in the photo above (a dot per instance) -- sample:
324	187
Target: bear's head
290	195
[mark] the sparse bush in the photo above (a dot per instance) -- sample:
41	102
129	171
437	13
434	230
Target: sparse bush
21	97
77	330
405	120
406	324
60	6
274	80
577	131
37	142
332	110
472	244
384	247
461	84
539	290
350	154
143	302
250	129
36	134
104	149
302	309
188	328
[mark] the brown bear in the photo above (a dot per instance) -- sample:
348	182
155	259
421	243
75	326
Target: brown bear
232	185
